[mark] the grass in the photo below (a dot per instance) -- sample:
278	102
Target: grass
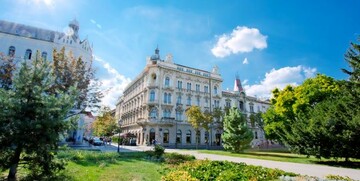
84	165
286	157
94	166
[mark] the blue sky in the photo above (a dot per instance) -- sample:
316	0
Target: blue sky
267	43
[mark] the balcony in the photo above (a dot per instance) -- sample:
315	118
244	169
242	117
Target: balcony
169	88
152	102
169	121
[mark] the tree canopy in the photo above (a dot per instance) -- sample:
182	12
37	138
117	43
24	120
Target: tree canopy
320	117
105	124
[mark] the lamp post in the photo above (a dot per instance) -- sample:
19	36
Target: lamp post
176	134
119	130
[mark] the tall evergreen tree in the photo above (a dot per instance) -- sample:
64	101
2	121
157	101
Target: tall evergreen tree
236	136
31	120
352	57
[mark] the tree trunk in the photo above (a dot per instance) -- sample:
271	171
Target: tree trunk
14	164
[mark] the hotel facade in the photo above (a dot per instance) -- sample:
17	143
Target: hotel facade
153	105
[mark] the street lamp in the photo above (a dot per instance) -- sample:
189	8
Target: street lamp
119	130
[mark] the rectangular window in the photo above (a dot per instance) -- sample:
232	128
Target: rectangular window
206	89
179	84
178	116
228	103
198	101
197	88
189	101
188	86
251	108
178	101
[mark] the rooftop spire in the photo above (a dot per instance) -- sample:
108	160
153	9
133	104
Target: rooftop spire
237	85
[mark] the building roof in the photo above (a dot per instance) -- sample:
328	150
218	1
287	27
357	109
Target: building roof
27	31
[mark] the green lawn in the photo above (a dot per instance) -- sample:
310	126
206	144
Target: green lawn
111	166
94	166
285	157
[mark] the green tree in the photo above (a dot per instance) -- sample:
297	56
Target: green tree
236	136
105	124
291	107
69	71
7	67
31	120
334	126
198	120
352	57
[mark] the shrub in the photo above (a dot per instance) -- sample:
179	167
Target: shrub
159	151
178	176
225	170
338	177
175	158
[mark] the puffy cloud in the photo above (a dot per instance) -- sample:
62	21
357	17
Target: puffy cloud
279	79
112	87
245	61
241	40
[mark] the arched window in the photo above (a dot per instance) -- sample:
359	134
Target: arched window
188	136
28	54
166	136
11	51
215	90
241	105
152	95
167	82
206	137
178	136
198	137
44	55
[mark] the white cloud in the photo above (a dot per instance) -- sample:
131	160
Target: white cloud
245	61
241	40
245	81
279	79
112	87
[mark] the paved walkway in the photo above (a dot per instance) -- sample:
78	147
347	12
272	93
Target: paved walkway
304	169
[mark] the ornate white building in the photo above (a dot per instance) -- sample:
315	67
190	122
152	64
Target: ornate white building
22	41
153	105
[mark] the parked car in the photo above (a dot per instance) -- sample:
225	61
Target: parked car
97	142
